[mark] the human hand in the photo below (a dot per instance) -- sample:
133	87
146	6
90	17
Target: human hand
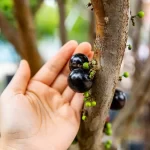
42	113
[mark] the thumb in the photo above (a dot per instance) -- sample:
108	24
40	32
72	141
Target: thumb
20	80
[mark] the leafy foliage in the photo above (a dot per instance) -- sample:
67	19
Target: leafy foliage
47	19
6	7
80	30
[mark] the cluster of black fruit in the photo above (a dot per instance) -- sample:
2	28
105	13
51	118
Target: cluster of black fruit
79	79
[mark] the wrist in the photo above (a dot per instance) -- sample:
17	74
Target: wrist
26	145
5	146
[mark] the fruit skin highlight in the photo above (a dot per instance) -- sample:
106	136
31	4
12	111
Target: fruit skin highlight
119	100
77	61
79	81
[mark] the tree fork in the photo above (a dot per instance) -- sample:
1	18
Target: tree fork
112	21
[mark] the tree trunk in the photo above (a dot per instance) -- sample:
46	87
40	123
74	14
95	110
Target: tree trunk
92	33
12	36
140	95
136	35
147	118
34	11
62	28
147	130
111	30
27	34
132	108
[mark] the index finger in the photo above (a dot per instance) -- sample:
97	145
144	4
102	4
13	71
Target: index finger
51	69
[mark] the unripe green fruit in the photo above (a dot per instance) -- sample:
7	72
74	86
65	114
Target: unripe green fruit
107	146
129	47
92	73
84	117
86	65
109	142
94	62
108	125
93	103
86	94
85	99
140	14
126	74
108	132
88	104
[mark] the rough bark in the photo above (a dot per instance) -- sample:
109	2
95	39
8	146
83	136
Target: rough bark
92	33
62	28
27	33
110	43
11	35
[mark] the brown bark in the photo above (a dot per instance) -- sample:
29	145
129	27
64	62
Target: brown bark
11	35
27	33
62	28
111	40
92	33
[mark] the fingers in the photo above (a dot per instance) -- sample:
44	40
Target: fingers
68	94
52	68
20	80
60	82
77	103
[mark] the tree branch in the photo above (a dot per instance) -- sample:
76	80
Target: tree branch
62	28
37	7
139	97
127	115
111	40
11	35
136	35
92	33
27	33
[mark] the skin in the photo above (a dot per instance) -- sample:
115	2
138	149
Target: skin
42	112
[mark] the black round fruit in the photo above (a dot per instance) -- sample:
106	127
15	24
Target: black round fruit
119	100
79	81
77	61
